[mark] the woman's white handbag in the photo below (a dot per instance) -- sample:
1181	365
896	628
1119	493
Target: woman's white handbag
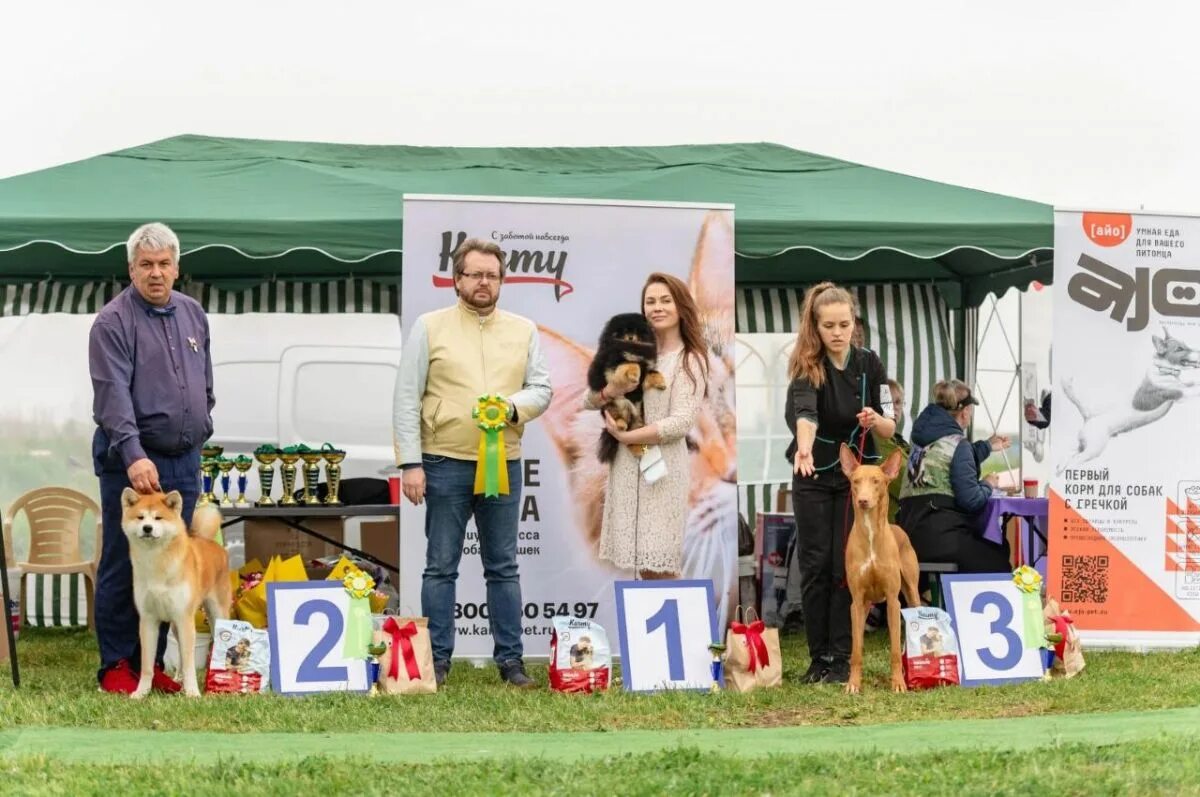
652	464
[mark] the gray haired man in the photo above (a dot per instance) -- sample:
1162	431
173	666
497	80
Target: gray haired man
148	354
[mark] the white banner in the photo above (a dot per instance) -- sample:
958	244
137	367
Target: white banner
571	265
1125	500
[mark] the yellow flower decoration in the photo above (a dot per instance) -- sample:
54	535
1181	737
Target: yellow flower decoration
1027	579
490	414
358	584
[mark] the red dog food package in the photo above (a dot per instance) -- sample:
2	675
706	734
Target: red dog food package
241	659
930	648
579	656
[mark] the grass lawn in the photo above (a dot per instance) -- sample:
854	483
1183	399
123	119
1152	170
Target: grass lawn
59	691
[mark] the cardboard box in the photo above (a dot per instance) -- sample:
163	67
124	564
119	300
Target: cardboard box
267	537
381	539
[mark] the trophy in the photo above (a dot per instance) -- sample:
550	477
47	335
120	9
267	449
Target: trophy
242	463
208	451
225	465
333	472
266	456
287	473
312	473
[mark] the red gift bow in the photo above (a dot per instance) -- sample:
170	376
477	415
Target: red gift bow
754	641
402	638
1060	627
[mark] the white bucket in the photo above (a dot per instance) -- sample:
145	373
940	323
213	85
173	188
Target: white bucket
171	662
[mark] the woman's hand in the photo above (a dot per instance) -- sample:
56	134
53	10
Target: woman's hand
611	426
992	480
867	418
999	442
802	463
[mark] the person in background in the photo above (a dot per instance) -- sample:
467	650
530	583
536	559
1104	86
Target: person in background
1032	413
943	494
886	446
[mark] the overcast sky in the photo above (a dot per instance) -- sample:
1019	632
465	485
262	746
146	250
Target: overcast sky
1079	104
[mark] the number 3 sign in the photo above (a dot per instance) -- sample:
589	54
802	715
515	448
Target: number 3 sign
986	610
307	626
665	629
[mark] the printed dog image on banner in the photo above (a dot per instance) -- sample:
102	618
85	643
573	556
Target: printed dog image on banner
1126	376
570	267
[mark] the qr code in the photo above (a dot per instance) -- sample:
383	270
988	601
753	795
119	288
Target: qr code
1085	579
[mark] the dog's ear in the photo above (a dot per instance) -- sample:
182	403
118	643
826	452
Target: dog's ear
174	501
129	497
1160	344
849	465
891	466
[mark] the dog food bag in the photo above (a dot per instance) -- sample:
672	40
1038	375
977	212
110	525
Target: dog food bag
930	648
240	662
580	660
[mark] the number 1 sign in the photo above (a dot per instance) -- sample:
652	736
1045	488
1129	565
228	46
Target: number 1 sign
986	610
307	625
665	629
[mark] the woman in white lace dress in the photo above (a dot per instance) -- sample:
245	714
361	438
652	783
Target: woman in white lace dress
643	523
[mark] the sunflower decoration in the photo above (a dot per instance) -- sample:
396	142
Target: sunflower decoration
490	414
1027	579
358	584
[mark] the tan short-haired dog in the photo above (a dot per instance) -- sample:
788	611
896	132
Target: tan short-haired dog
880	560
174	573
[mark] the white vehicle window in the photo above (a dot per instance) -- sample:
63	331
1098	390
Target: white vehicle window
346	404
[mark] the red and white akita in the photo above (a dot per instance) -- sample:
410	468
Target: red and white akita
174	573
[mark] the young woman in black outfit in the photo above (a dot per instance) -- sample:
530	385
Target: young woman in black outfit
836	395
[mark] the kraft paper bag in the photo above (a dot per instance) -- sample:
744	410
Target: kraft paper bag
406	667
752	656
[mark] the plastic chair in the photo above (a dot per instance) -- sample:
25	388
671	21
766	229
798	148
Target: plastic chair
55	516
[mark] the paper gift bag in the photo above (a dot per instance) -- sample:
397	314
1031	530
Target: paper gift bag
406	666
1068	652
752	657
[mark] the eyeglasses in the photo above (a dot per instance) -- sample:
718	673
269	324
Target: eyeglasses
481	276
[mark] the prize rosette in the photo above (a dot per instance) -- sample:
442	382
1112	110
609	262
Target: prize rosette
491	471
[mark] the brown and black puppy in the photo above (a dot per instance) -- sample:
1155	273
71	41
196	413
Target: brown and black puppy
624	360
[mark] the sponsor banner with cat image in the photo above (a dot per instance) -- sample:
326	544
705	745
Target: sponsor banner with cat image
570	266
1124	535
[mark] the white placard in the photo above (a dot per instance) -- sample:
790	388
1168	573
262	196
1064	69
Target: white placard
986	610
665	629
307	624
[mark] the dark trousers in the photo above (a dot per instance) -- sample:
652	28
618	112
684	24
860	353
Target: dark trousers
116	614
822	521
941	533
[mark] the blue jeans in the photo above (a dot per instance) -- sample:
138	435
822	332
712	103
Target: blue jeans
116	615
449	503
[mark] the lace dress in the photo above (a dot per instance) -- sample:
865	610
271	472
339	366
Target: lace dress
643	523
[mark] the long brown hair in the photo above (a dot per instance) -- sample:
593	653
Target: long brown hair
809	351
689	323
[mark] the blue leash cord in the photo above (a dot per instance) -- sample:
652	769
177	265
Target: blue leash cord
857	448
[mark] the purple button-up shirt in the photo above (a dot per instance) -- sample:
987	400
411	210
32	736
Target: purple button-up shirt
151	375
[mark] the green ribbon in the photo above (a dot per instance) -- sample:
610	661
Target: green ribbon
1033	624
358	629
491	470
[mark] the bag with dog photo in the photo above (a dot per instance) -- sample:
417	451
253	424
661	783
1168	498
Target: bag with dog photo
580	659
930	648
752	656
241	659
406	665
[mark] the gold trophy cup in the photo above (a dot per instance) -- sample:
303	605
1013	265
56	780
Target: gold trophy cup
266	456
333	472
242	463
225	465
287	473
312	474
208	452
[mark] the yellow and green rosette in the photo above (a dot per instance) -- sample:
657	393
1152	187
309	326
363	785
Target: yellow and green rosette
491	470
1029	585
358	622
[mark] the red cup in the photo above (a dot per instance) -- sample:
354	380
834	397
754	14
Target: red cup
394	488
1031	488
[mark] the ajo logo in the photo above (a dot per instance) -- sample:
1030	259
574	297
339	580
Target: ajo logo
1107	229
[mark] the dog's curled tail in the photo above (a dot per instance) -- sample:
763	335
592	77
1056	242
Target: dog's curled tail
206	521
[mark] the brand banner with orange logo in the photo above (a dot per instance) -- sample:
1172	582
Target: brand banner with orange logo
570	265
1125	499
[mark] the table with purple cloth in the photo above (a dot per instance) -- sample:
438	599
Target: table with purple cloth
1034	515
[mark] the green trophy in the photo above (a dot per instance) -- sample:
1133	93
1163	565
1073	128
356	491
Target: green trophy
333	472
208	451
225	465
312	474
287	473
266	456
242	463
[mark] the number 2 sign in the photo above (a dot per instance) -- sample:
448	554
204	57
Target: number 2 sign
665	629
307	626
986	610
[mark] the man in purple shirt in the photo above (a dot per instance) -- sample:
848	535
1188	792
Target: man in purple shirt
148	354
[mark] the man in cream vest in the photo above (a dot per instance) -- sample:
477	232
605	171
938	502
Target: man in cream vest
453	356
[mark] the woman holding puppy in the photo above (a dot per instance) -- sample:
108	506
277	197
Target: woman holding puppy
837	395
643	522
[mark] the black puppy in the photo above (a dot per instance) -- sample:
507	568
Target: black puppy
624	360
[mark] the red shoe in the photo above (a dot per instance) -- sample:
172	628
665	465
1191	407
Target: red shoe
119	679
161	682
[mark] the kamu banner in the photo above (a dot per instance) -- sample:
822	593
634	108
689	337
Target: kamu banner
570	265
1125	499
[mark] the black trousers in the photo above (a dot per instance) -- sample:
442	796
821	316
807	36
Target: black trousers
822	521
941	533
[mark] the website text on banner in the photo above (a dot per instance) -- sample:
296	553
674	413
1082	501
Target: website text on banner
1125	500
569	267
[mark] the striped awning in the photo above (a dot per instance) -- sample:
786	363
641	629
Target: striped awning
907	325
351	295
